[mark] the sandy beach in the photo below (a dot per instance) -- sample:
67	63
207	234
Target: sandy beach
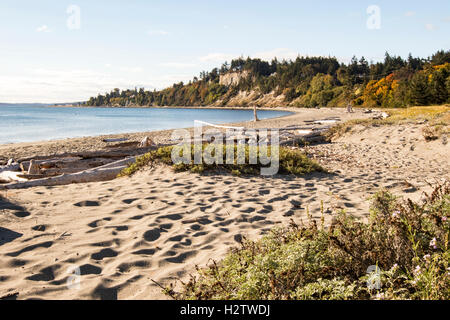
158	225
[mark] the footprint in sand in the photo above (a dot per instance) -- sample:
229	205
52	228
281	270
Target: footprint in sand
40	227
127	267
145	252
88	269
14	263
21	214
181	257
46	245
87	203
129	201
105	253
152	235
7	235
46	274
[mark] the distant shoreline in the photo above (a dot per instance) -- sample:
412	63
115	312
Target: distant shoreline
281	108
292	111
95	143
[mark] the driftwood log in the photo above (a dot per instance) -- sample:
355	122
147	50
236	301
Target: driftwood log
315	137
115	140
10	167
10	176
113	154
103	173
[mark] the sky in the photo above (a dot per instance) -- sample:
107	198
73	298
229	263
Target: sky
65	51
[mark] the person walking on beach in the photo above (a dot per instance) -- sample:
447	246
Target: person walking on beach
349	107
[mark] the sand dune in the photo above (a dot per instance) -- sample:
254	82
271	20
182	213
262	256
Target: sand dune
159	224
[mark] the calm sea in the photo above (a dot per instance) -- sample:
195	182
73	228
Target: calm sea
36	123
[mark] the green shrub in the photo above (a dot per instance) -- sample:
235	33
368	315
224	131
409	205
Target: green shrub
290	161
407	241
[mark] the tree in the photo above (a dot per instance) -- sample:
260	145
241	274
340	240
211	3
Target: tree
440	57
448	88
419	90
439	87
307	81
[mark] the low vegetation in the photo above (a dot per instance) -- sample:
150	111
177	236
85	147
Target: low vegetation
402	252
290	161
436	118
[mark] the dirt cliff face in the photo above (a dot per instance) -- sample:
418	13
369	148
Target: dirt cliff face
232	78
250	98
247	98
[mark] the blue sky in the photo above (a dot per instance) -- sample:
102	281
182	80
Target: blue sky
154	43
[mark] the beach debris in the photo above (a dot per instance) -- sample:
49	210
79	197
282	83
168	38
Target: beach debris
11	176
326	121
255	115
216	126
33	168
146	142
380	116
10	162
103	173
10	167
115	140
313	137
367	111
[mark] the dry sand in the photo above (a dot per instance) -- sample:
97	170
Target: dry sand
159	224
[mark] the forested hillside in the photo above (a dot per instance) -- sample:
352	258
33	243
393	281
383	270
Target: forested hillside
304	82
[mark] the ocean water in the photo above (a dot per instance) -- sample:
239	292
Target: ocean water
36	123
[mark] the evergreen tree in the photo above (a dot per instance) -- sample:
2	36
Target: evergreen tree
439	88
420	91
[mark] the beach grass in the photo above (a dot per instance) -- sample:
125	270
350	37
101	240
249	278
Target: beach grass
437	119
290	161
401	253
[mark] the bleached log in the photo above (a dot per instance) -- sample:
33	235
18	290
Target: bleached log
33	168
146	142
87	155
103	173
328	121
11	176
115	140
312	138
31	176
10	167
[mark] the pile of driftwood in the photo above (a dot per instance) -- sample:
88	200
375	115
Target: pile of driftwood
70	168
376	115
105	165
309	133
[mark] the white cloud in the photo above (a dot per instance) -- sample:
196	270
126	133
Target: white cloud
131	69
410	13
279	53
43	28
158	33
430	27
218	57
178	65
68	85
